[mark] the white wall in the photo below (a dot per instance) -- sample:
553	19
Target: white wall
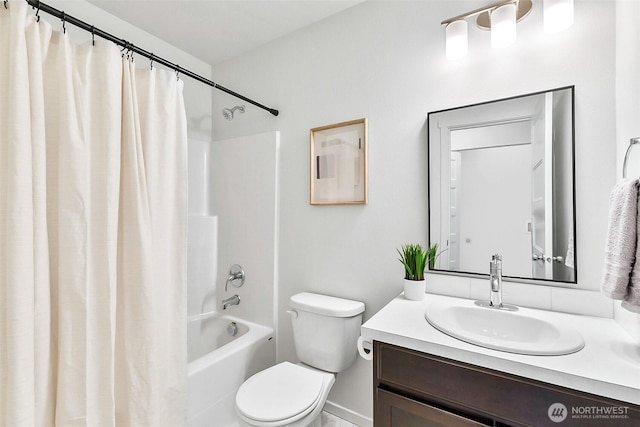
384	60
628	112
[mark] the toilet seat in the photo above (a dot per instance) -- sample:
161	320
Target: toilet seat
281	394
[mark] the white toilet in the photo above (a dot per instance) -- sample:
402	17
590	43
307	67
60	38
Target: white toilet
325	333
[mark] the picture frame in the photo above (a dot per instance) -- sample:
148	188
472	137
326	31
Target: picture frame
338	163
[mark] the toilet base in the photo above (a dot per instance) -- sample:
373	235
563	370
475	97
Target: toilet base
314	423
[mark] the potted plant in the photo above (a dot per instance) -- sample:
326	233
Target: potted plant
415	259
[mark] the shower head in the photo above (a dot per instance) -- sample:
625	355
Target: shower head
227	113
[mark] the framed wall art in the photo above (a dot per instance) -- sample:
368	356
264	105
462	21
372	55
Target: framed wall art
339	164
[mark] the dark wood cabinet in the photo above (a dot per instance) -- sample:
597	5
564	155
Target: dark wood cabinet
413	389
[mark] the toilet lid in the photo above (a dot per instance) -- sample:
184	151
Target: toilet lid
281	392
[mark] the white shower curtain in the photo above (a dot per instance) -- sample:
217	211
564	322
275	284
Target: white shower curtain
92	233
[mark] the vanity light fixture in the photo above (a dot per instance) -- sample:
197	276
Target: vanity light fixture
501	18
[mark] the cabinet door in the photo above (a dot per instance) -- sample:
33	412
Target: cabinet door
393	410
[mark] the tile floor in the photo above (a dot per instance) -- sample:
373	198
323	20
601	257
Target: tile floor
330	420
327	420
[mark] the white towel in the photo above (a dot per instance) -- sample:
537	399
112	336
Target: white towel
621	277
632	301
570	259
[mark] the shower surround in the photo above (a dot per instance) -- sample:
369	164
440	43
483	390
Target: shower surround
227	180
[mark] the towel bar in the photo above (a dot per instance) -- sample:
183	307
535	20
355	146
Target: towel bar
632	142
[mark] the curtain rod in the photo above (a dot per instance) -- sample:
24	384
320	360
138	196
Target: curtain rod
39	6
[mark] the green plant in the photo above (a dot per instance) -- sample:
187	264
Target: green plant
432	255
415	258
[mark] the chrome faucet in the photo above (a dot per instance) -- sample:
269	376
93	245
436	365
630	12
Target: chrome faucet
234	300
495	282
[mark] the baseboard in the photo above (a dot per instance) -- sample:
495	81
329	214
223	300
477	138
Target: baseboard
348	415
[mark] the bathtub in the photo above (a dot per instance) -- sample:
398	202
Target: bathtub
219	362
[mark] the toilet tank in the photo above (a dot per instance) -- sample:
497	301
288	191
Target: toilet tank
326	330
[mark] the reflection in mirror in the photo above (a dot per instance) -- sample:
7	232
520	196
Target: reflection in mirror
501	180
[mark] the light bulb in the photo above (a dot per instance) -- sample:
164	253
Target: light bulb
456	40
503	25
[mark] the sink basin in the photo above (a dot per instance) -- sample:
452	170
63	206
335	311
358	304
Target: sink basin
523	332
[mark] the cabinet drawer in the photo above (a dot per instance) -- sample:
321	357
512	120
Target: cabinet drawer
393	410
504	397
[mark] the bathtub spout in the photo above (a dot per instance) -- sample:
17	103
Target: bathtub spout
234	300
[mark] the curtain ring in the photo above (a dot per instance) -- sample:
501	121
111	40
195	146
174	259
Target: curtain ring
6	4
93	35
64	23
38	11
177	72
151	64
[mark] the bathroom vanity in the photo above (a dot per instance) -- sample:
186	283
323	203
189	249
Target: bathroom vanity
423	377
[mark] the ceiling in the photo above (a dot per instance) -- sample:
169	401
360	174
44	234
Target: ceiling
217	30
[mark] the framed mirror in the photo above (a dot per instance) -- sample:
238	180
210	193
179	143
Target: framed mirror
502	180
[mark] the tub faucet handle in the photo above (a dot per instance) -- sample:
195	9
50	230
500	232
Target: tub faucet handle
236	276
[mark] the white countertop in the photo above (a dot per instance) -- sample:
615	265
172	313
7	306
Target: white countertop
608	365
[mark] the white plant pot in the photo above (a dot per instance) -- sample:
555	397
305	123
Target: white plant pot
414	289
